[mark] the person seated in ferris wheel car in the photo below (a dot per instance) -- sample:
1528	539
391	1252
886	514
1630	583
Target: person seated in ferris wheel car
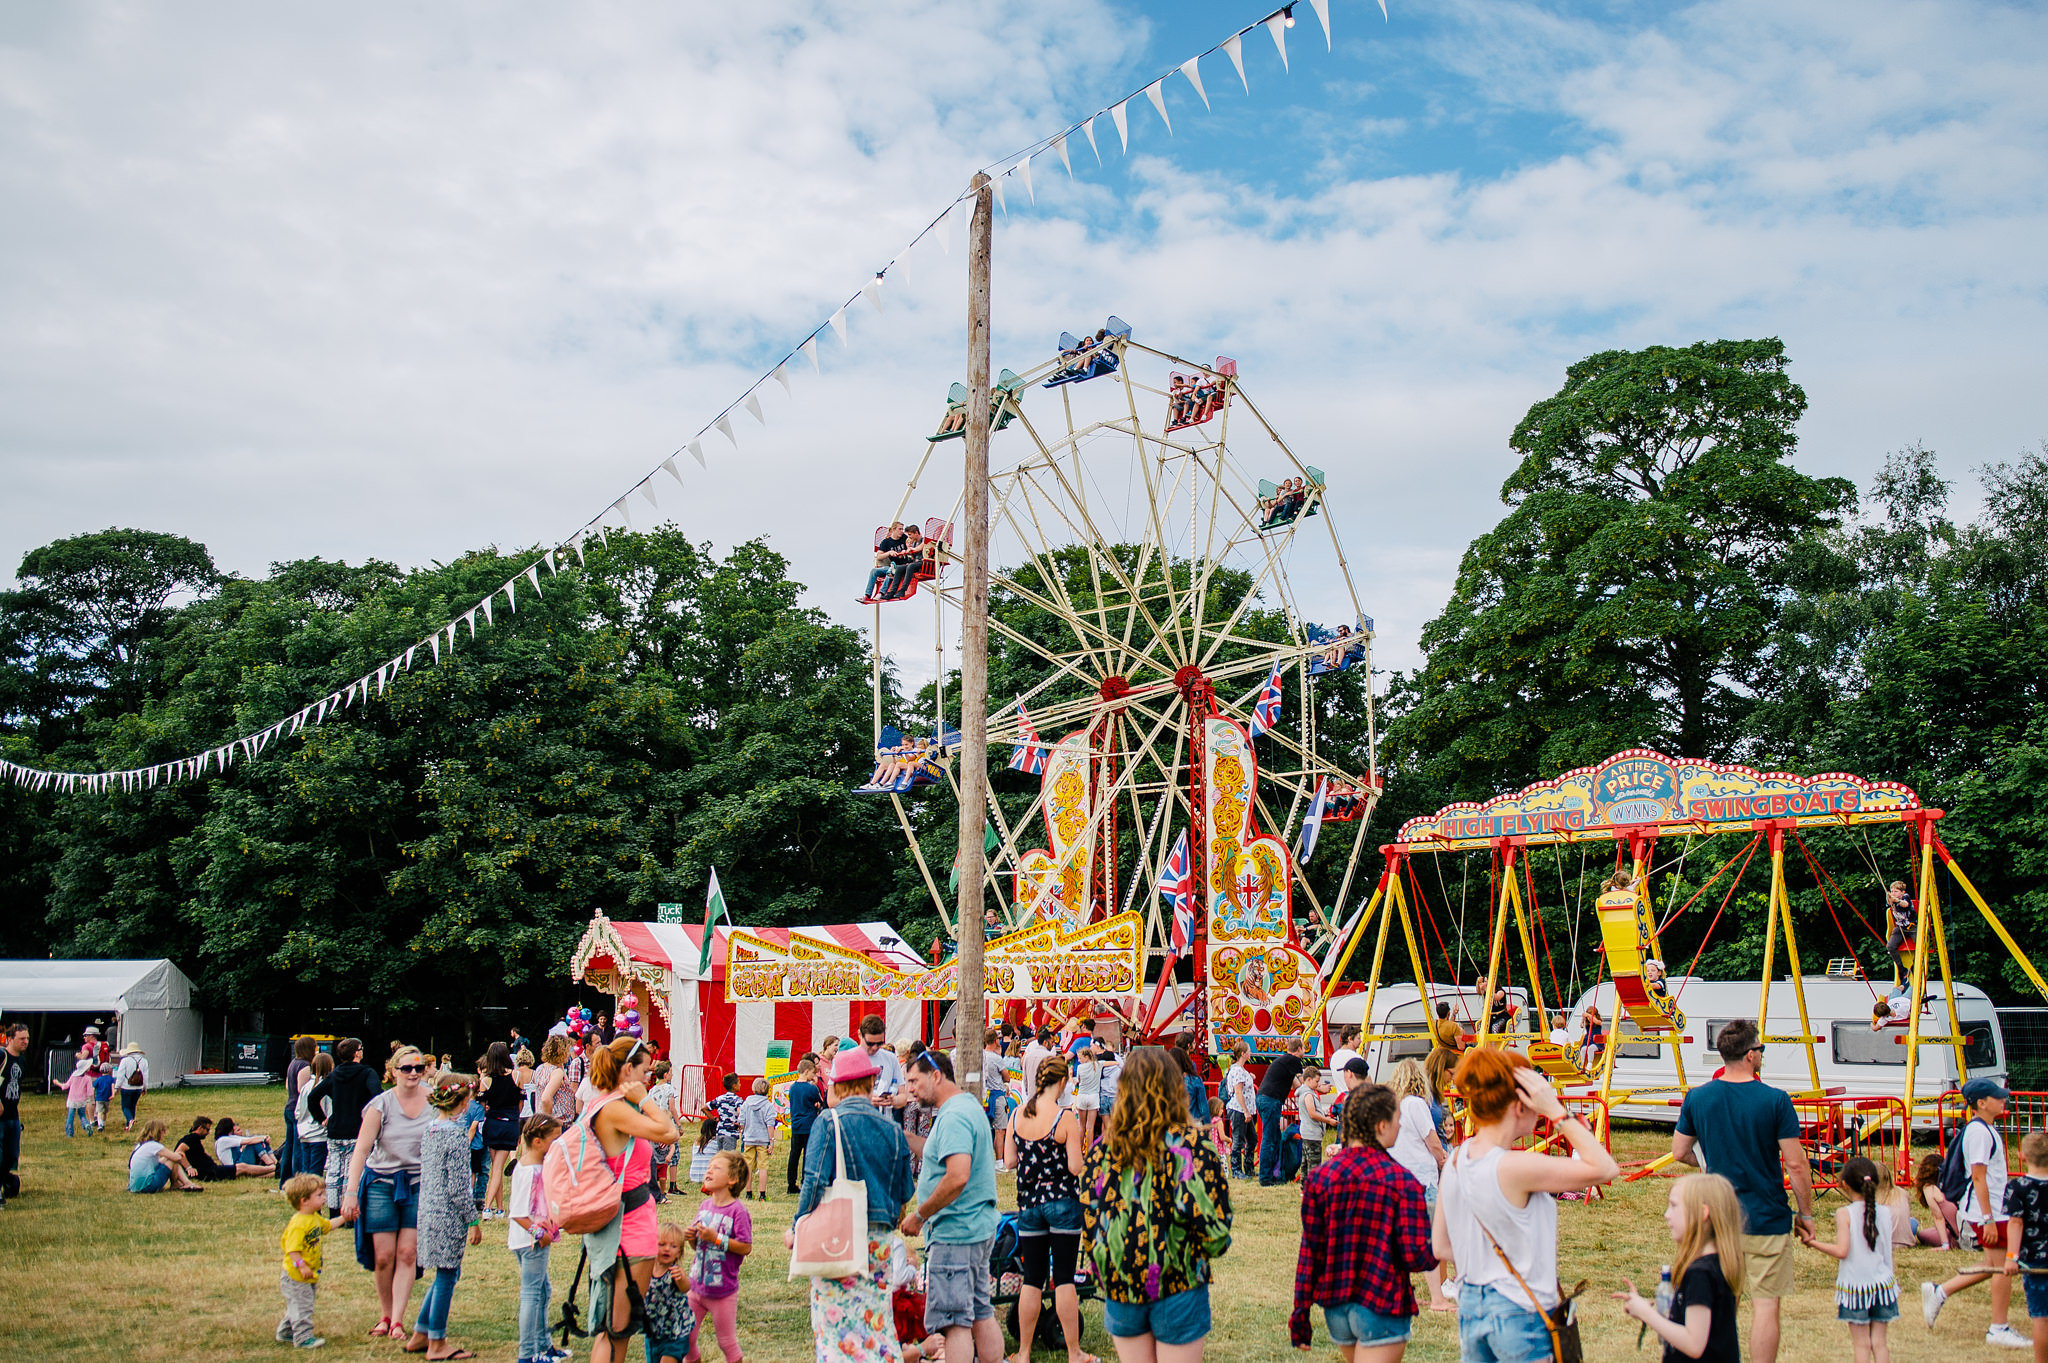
886	548
904	560
955	422
1333	656
1180	395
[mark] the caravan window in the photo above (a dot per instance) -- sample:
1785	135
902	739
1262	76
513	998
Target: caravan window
1640	1050
1856	1044
1714	1026
1980	1052
1406	1017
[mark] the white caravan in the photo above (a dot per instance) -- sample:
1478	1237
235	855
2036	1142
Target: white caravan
1861	1063
1852	1058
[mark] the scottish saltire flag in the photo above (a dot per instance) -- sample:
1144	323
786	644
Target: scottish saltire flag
1028	756
1266	713
1312	824
1178	885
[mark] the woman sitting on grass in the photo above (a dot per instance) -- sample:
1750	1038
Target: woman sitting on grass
248	1151
154	1166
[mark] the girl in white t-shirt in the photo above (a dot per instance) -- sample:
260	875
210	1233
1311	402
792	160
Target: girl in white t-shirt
1418	1150
531	1229
1085	1094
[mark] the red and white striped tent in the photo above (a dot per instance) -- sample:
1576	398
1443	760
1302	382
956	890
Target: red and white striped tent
687	1015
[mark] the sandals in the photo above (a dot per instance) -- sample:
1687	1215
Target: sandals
381	1328
452	1358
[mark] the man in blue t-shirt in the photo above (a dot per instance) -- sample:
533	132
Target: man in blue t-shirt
1741	1128
955	1209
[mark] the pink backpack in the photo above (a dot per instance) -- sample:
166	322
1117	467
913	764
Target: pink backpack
583	1192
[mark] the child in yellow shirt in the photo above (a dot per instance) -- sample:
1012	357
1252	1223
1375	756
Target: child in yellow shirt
307	1194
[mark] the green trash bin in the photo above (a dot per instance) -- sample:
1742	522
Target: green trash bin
254	1053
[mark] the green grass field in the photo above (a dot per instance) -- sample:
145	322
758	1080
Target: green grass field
93	1272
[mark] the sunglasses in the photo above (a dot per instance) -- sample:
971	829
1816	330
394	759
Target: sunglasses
412	1069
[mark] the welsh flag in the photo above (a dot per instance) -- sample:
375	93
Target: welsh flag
714	913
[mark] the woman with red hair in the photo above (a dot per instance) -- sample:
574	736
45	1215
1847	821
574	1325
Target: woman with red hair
1496	1212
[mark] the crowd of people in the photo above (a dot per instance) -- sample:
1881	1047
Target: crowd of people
1121	1190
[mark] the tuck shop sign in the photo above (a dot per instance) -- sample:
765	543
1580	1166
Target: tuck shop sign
1636	790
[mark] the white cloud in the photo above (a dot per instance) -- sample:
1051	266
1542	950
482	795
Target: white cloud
360	283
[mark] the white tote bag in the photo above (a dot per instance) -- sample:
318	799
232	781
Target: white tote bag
832	1238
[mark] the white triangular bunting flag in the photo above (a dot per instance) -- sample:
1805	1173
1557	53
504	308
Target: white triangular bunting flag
1192	69
781	376
838	321
1059	144
647	491
620	507
484	606
577	545
668	466
1233	47
532	576
724	425
1158	97
754	405
697	453
1323	13
416	648
810	351
435	644
1024	169
1001	202
470	620
1277	26
1089	128
873	293
1123	127
511	596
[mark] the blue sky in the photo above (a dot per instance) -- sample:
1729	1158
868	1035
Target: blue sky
402	283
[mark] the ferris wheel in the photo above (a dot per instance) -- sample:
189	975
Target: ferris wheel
1161	562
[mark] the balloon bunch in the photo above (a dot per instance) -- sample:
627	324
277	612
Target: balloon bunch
629	1016
578	1020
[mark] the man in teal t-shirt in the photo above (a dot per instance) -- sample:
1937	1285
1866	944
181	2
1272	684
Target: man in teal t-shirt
955	1210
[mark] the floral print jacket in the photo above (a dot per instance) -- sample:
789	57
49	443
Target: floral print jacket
1151	1231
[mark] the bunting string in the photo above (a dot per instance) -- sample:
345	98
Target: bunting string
442	642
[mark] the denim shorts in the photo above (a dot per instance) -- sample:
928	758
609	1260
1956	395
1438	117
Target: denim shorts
956	1285
159	1177
2037	1294
1181	1318
382	1215
1364	1327
1494	1328
1050	1218
1877	1313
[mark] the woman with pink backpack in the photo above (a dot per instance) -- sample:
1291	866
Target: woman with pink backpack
598	1181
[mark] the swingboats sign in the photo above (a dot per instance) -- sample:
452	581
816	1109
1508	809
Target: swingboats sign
1641	788
1100	961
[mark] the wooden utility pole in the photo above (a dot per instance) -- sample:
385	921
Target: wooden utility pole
967	1027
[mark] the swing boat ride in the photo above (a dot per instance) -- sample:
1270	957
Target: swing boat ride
1632	800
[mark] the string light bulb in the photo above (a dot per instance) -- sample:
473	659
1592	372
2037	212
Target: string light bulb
1288	14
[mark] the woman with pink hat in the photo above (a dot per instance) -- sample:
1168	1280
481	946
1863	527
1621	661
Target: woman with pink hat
851	1317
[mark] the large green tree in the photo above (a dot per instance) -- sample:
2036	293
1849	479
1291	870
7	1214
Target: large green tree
1629	596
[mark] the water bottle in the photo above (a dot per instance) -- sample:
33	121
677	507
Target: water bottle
1663	1303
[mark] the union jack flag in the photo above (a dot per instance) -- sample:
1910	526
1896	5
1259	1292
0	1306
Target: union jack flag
1266	713
1028	756
1178	885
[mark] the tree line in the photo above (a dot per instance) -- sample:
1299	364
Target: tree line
1662	575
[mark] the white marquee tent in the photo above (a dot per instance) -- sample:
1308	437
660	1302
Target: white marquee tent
151	1003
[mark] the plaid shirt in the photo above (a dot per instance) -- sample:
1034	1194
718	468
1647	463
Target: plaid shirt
1364	1229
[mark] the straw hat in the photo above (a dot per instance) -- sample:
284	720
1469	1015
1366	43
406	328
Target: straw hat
131	1049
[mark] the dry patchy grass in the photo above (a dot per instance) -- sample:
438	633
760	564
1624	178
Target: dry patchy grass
95	1272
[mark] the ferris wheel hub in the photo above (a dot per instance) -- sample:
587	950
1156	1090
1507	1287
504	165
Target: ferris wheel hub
1114	687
